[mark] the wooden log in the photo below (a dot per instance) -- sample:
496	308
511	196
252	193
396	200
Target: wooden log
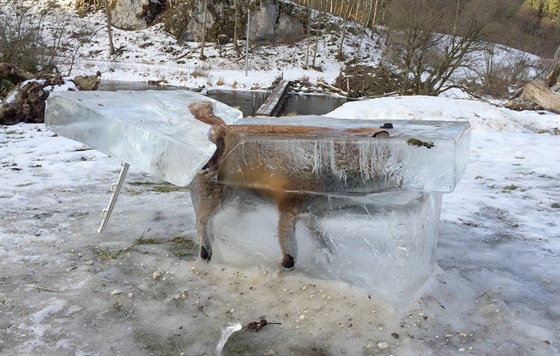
275	100
8	70
520	104
539	92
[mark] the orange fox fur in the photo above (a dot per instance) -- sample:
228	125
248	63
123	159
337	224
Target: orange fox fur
207	194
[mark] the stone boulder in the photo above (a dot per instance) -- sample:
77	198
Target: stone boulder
134	14
276	21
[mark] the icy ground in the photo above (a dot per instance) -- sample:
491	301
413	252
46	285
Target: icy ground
139	289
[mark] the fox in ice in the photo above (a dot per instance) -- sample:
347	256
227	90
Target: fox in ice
208	194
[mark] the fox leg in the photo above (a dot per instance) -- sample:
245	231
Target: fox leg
286	236
288	209
206	197
201	219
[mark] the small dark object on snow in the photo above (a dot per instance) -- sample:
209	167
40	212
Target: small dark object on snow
257	325
387	125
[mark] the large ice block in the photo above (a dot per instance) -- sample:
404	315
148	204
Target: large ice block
151	130
419	155
384	243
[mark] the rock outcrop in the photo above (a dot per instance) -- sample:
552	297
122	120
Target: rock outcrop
271	21
134	14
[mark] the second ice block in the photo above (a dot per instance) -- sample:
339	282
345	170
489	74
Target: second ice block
384	243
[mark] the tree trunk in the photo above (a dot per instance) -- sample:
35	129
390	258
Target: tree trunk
366	18
109	31
320	16
235	27
539	92
202	56
344	29
308	40
374	15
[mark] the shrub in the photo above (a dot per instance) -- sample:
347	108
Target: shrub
28	43
200	71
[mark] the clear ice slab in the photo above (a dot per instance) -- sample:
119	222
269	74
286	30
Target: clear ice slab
384	243
419	155
152	130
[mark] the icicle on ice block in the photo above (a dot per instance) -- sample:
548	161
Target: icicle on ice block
419	155
151	130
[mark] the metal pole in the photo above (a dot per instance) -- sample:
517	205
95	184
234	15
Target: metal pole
106	213
247	43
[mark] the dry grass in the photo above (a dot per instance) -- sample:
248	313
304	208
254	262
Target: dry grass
200	71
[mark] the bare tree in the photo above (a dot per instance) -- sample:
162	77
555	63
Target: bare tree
366	19
203	43
424	59
308	40
319	25
109	30
344	29
235	27
456	17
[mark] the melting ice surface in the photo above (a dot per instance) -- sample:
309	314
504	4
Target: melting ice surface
151	130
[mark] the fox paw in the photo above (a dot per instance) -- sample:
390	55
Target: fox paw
288	261
205	254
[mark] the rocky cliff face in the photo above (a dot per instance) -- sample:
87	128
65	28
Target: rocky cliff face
135	14
271	20
275	21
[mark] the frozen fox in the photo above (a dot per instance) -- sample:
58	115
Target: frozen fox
207	194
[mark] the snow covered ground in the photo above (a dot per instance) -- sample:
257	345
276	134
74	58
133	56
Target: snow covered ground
139	288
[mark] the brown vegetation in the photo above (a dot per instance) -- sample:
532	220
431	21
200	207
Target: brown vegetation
532	26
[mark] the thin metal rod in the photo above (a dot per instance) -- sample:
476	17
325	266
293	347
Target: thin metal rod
106	213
